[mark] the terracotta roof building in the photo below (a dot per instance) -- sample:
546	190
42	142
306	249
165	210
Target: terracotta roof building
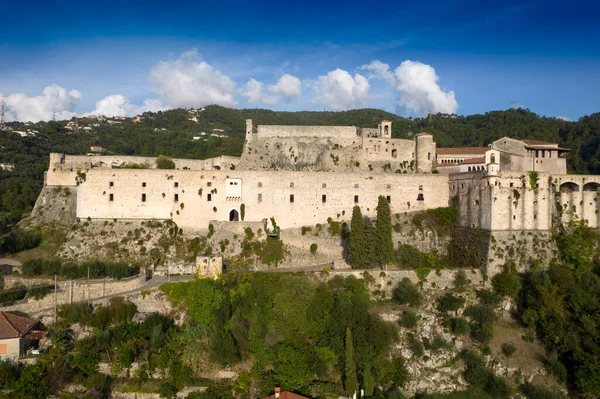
284	395
17	333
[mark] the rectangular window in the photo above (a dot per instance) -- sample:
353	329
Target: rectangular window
420	187
429	156
176	197
209	197
355	185
292	185
388	186
209	184
176	184
356	199
259	184
389	199
143	197
291	197
259	197
324	185
111	197
111	184
143	184
323	198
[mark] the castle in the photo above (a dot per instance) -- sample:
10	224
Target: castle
303	175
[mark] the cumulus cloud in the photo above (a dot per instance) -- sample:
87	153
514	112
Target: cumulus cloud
190	82
118	105
564	118
416	84
255	94
54	100
340	91
288	86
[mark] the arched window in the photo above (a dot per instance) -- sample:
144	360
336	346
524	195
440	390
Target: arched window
493	158
386	130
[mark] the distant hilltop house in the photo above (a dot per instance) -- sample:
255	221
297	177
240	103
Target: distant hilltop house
138	119
27	133
96	148
303	175
9	167
18	334
284	395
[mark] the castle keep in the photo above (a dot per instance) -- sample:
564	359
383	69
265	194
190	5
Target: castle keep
303	175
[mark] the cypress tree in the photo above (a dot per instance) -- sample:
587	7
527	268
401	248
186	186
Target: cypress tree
357	247
351	383
383	232
368	380
372	245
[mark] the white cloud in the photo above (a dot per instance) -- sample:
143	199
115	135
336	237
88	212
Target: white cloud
118	105
416	84
114	105
254	92
55	99
564	118
288	86
340	91
189	82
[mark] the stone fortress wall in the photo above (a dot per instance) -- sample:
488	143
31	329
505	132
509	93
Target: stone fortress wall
303	175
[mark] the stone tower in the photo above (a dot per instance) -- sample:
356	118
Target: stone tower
385	129
424	152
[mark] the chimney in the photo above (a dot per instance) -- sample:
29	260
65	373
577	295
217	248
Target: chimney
277	391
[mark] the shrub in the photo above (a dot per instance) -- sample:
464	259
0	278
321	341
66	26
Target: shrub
12	294
409	256
444	215
306	229
415	345
119	270
536	392
449	303
77	312
407	293
508	349
211	230
489	297
313	248
409	319
39	291
249	233
20	240
32	267
478	375
508	282
483	317
163	162
556	368
460	280
459	326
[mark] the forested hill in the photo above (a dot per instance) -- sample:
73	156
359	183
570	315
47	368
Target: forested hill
171	133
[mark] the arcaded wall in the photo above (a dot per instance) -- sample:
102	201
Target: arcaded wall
193	198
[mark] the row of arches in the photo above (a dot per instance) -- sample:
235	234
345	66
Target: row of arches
475	168
574	187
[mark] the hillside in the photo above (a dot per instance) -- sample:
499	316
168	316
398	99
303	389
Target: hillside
171	133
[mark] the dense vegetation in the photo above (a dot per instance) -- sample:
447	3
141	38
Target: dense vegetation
312	339
562	304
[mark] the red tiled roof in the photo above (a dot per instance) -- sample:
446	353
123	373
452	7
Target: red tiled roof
287	395
14	326
462	150
474	160
537	142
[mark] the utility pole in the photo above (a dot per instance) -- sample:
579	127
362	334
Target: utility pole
2	125
88	285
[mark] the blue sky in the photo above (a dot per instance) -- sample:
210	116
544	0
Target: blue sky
433	56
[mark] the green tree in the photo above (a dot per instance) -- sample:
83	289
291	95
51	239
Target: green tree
383	232
350	382
31	383
368	380
508	282
357	247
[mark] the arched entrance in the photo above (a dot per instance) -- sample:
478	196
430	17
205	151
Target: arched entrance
234	216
